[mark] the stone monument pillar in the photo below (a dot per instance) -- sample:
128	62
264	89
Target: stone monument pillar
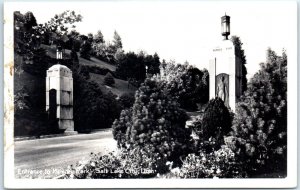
59	94
225	70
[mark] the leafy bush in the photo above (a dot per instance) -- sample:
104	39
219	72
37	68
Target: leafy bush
126	100
92	108
132	65
85	49
260	123
188	84
213	124
157	125
221	163
120	127
109	79
121	164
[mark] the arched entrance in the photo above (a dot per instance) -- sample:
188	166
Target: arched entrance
52	114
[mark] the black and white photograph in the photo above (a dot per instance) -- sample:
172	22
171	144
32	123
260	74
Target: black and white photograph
159	94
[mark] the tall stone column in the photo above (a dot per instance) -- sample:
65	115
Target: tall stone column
59	79
225	71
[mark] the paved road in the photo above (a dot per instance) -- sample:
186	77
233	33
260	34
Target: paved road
46	158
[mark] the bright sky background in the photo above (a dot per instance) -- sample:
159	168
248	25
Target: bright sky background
183	30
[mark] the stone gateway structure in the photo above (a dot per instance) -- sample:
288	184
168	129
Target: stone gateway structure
225	69
59	97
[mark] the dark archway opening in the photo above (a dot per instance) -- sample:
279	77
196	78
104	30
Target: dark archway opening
52	114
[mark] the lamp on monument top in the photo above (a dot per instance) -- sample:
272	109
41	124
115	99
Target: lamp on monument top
225	25
59	52
146	70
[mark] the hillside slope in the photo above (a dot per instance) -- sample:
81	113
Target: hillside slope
51	51
29	81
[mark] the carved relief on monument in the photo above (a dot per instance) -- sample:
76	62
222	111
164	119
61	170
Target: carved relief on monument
222	87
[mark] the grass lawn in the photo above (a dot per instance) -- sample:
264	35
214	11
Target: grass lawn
51	51
120	87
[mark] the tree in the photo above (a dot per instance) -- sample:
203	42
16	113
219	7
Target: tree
126	100
86	47
152	62
131	66
61	23
98	37
93	109
241	54
100	50
26	35
260	124
216	121
157	126
188	84
117	42
90	38
30	21
73	42
121	125
109	79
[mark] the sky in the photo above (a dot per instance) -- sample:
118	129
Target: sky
183	30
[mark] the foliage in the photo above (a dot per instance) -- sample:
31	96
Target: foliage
108	51
120	126
221	164
100	50
216	121
109	79
39	64
121	164
98	37
260	123
29	111
117	42
29	21
188	84
58	27
133	66
21	100
157	125
241	54
92	108
86	48
26	36
126	100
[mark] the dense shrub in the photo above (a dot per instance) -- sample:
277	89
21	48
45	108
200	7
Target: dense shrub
132	65
121	164
221	163
213	124
85	49
120	127
92	108
109	79
126	100
158	125
188	84
260	124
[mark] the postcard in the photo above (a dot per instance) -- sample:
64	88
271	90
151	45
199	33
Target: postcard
150	94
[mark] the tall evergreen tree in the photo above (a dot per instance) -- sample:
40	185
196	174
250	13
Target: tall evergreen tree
260	123
117	42
98	37
241	54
